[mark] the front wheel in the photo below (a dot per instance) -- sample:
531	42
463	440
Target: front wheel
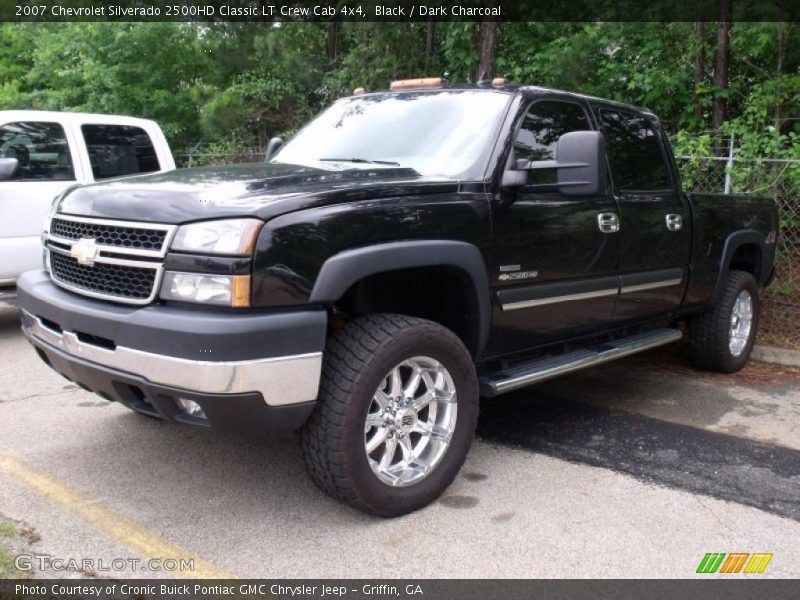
722	338
396	414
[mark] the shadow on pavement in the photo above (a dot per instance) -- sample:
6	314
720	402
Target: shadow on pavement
9	321
680	456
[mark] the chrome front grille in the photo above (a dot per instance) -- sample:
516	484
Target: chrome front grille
115	281
121	261
117	236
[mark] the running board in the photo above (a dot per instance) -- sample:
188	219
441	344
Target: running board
542	369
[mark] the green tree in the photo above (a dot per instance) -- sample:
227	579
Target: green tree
142	69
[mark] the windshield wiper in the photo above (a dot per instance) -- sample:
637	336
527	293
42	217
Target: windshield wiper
361	160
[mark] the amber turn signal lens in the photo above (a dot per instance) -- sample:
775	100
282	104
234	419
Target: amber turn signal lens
240	294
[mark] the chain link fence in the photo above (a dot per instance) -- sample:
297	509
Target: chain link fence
778	178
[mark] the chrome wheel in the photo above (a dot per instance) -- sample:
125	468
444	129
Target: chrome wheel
741	323
410	421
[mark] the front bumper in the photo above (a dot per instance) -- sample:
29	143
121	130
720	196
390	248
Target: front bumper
247	371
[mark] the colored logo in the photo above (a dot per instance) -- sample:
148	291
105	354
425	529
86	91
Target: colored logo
734	562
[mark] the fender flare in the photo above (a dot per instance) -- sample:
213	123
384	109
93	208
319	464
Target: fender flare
342	270
733	243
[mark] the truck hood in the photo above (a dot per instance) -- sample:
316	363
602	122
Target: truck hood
262	190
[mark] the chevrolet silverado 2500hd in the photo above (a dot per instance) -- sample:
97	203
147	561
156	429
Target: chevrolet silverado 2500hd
405	253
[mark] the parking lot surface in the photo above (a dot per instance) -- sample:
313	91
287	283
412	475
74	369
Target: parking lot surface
634	469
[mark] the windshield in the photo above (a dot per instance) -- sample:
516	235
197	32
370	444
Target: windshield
435	133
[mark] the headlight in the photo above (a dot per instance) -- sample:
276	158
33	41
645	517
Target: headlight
223	290
231	236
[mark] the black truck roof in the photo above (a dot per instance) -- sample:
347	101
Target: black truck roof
512	88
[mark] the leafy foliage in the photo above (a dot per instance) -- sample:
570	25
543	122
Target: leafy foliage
234	85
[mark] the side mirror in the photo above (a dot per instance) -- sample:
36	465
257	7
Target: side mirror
580	165
272	147
9	168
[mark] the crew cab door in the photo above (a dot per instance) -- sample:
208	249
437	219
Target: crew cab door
655	223
48	164
555	271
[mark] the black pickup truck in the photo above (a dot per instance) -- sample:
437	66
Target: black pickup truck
405	253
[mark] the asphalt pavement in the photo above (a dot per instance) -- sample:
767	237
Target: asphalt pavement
634	469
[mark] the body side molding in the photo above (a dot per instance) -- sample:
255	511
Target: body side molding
539	294
650	280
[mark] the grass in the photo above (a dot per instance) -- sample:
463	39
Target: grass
7	568
6	529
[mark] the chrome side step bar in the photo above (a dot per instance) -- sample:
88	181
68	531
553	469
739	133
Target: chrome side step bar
552	366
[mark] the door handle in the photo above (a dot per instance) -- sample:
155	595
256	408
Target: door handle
608	222
674	222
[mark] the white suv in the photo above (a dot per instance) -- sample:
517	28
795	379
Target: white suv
42	153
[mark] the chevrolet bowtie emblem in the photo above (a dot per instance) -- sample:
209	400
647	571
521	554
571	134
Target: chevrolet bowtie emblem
84	251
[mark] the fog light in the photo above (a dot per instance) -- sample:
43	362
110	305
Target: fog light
191	408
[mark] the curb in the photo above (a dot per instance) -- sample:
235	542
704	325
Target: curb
778	356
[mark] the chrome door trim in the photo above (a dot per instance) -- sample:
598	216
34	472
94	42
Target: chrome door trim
651	286
556	299
624	289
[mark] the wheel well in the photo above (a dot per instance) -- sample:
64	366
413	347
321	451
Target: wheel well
442	294
747	257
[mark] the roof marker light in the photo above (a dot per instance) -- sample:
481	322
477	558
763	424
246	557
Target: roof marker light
417	84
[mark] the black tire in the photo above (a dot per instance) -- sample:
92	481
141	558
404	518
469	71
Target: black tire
709	333
357	360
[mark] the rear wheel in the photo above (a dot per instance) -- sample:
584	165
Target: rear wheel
722	338
396	414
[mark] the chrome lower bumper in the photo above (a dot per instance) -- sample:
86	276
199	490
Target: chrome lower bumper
281	381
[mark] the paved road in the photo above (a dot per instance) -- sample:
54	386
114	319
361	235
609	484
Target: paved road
635	469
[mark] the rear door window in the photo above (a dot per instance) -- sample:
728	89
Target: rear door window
637	163
40	148
118	150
